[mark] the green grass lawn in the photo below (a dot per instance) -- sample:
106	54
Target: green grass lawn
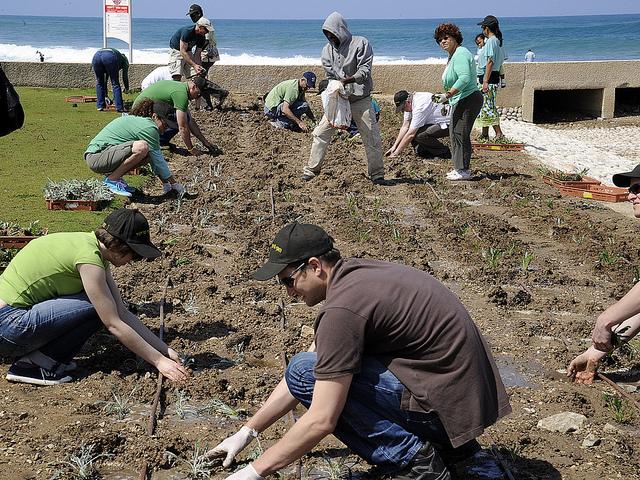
51	145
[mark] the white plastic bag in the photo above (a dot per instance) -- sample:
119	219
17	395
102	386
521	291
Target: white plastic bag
336	105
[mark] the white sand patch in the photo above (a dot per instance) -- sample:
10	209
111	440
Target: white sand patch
604	151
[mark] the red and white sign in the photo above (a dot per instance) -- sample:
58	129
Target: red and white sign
117	21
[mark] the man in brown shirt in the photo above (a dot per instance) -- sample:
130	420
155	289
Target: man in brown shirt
399	372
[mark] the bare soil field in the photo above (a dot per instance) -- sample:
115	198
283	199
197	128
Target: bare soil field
474	236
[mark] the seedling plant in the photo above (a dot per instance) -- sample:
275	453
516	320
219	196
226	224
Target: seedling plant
620	410
197	466
81	464
120	406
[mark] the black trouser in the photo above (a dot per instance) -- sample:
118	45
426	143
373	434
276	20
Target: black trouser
427	142
463	115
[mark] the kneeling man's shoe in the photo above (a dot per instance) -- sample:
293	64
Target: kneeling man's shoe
426	465
35	375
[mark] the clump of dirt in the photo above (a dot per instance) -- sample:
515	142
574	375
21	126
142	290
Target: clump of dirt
473	236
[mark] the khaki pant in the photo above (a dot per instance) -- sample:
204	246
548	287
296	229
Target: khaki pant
177	64
365	118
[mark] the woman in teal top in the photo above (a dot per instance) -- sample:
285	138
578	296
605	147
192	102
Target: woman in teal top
58	291
492	58
461	91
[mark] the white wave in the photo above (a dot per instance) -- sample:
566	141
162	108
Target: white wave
159	56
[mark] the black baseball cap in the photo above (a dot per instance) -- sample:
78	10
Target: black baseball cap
194	8
293	243
400	98
624	179
167	113
322	85
199	82
488	21
130	226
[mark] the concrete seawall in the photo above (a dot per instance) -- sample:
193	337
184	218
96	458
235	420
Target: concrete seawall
596	83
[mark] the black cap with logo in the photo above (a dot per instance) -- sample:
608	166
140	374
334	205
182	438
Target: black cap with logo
195	12
130	226
293	243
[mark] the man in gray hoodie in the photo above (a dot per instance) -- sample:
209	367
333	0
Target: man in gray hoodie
348	59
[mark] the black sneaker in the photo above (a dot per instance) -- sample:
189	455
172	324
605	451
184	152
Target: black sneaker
381	181
306	177
426	465
29	373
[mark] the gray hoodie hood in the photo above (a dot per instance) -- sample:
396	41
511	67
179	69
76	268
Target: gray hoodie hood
352	58
336	24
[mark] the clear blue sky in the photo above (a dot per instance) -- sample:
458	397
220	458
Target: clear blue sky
315	9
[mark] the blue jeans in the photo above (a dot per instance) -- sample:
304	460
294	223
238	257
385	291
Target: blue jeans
297	108
105	64
372	423
57	328
169	133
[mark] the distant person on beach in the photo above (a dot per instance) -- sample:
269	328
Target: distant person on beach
348	59
490	63
424	123
619	323
58	291
461	92
178	94
40	56
529	56
157	74
182	58
107	62
397	371
131	141
285	104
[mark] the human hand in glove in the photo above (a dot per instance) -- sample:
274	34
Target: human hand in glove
233	445
247	473
440	98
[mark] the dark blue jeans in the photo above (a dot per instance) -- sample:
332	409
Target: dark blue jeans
57	328
169	133
372	423
105	64
297	108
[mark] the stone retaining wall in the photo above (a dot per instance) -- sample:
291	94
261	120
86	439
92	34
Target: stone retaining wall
523	79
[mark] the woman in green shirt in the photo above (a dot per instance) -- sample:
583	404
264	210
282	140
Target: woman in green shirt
461	91
58	291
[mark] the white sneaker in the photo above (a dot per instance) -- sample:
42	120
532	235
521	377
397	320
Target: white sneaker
455	175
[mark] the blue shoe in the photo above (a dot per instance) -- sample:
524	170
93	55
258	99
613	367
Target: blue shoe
126	186
116	187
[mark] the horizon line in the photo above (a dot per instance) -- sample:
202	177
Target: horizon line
351	18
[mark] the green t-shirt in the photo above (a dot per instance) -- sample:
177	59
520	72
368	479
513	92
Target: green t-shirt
492	50
287	91
170	91
460	74
47	268
131	128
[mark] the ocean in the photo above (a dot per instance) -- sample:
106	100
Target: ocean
253	42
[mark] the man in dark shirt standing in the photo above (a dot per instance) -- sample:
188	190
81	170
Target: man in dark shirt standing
181	57
398	370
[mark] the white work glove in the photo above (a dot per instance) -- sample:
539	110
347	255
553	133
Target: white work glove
247	473
233	445
440	98
166	188
178	188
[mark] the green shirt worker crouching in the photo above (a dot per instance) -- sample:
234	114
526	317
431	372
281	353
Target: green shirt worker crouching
130	141
621	321
178	94
58	291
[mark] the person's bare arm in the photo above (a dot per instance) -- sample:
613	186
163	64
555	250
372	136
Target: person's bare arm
403	130
408	136
94	281
624	309
185	130
195	129
487	74
186	55
329	397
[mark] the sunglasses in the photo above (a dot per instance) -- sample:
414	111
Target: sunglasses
635	188
288	281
